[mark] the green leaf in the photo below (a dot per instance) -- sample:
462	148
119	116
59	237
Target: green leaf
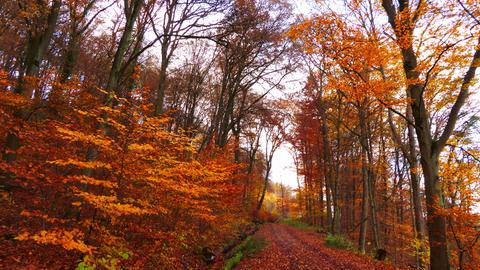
84	266
125	255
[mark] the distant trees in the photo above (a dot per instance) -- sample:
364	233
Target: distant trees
274	125
253	55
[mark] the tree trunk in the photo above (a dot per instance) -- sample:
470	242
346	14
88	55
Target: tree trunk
36	49
70	57
366	179
410	154
162	80
225	123
131	13
429	149
364	216
416	195
264	190
429	160
371	188
329	185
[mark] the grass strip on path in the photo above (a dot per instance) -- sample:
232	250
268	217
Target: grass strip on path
250	246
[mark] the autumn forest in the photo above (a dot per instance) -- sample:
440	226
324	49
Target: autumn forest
147	134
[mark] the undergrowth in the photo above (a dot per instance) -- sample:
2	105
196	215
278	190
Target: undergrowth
251	245
338	241
297	223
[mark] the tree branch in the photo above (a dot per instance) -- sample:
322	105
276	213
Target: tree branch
462	97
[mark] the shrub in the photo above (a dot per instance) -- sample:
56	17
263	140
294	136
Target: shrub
338	241
297	223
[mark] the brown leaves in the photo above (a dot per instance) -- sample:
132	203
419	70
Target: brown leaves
290	248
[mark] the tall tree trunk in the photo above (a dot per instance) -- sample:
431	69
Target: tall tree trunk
337	214
371	189
219	111
264	189
324	203
364	215
70	57
409	152
328	174
132	10
225	123
430	149
429	160
162	79
416	195
36	49
251	162
365	178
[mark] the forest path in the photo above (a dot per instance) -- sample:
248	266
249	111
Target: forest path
290	249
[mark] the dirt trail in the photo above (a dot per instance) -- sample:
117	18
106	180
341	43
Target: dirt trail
289	248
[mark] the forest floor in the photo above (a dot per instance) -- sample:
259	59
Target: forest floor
290	248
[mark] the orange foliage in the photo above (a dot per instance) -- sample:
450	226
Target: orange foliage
111	186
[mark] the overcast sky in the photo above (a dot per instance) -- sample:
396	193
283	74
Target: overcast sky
283	167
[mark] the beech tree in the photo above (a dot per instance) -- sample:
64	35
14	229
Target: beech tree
403	20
